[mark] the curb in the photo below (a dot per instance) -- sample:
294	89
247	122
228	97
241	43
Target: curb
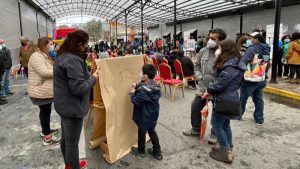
280	92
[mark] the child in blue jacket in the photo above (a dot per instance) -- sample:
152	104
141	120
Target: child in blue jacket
145	98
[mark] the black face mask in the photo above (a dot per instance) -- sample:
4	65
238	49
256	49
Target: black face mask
84	53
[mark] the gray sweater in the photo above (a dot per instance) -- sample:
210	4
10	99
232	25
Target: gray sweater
203	68
72	86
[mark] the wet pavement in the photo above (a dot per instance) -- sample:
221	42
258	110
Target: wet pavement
275	145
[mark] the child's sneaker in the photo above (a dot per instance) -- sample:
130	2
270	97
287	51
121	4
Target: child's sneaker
82	164
50	141
137	152
52	131
158	156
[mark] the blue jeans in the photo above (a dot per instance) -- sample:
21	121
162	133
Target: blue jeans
5	83
256	91
222	130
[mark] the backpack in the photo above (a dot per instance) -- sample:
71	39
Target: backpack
256	70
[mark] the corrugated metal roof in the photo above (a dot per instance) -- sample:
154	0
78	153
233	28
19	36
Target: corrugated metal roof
155	11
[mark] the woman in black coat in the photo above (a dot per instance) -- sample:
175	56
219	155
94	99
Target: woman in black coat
72	85
224	89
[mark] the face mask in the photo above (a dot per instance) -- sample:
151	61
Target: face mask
248	42
2	46
51	49
287	40
218	52
52	54
211	44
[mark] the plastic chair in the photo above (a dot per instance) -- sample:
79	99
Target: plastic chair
166	79
155	63
145	59
179	71
164	60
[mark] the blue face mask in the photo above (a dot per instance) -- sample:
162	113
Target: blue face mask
248	42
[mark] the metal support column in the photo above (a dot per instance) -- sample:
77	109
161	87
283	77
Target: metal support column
175	24
110	32
241	24
37	23
275	41
20	17
142	26
117	32
126	25
46	26
212	23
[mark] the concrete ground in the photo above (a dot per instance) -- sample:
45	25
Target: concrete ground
284	85
275	145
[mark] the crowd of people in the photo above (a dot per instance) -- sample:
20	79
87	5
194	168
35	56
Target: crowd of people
66	75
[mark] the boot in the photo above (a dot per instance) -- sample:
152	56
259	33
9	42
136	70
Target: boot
3	101
222	154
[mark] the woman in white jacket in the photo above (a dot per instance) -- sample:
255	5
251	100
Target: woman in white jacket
40	87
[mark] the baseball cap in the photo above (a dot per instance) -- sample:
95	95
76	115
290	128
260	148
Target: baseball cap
253	34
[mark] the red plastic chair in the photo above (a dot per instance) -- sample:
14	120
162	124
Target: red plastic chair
154	62
179	71
145	59
166	79
164	60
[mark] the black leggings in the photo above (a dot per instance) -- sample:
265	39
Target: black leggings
294	69
45	112
70	135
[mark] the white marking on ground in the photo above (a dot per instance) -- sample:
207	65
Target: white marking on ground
82	151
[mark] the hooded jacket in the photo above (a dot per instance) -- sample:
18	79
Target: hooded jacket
293	53
226	83
146	105
72	86
257	48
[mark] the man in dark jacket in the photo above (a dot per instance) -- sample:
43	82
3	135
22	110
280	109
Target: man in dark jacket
187	68
6	56
254	89
145	98
2	70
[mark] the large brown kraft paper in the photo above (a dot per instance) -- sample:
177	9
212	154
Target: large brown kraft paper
115	80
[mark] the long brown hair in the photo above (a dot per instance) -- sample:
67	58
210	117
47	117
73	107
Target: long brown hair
229	51
42	45
72	43
242	40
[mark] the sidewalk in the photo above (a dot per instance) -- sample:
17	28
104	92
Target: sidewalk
282	88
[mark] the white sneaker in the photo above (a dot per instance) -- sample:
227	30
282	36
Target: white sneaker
259	124
51	141
52	131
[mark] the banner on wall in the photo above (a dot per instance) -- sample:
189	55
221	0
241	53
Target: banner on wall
189	44
270	36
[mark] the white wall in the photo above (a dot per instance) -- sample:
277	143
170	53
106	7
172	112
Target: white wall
10	25
252	20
